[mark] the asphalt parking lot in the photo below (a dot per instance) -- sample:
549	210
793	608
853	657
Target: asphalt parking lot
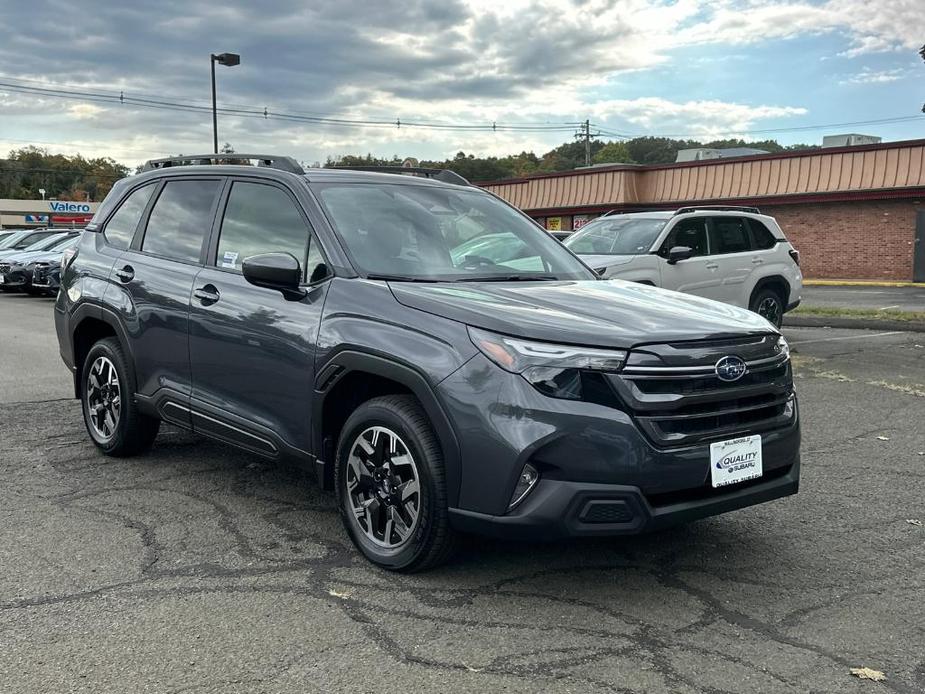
198	568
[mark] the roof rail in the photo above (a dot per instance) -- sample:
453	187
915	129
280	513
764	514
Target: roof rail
271	161
717	208
444	175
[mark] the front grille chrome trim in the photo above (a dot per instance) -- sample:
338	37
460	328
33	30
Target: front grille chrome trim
675	371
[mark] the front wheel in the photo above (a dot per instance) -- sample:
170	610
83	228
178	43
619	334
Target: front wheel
107	395
768	304
391	485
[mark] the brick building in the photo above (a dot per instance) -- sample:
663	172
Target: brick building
853	212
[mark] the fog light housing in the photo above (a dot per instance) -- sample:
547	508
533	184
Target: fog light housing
527	480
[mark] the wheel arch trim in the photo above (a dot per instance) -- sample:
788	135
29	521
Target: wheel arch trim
351	361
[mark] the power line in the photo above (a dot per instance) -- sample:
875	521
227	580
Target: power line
265	113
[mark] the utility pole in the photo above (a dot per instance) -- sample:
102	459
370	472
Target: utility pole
587	128
584	133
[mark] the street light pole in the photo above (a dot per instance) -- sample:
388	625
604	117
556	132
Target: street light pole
229	60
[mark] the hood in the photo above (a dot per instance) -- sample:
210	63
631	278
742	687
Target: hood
604	313
24	258
598	261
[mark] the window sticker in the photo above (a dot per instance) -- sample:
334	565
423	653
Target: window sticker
230	259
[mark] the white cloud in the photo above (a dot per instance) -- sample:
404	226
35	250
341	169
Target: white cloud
85	111
706	119
868	76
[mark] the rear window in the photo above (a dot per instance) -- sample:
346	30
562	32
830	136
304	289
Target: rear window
764	239
729	235
180	219
121	227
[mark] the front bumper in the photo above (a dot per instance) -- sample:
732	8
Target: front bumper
600	473
559	509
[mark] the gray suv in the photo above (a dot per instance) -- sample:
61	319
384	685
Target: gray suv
439	361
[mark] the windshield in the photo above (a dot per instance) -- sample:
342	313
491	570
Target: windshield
431	233
616	236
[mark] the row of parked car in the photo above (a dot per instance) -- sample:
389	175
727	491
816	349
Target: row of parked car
30	259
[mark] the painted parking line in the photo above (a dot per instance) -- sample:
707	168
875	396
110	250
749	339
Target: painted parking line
846	337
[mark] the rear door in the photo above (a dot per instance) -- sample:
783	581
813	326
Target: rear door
696	275
154	280
252	350
735	259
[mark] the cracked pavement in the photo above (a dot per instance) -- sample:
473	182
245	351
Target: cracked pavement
198	568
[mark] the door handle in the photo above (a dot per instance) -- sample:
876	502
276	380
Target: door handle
757	261
207	295
126	274
712	266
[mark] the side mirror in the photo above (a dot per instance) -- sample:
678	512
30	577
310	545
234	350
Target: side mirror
279	271
678	253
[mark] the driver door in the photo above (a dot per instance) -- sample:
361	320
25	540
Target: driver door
697	274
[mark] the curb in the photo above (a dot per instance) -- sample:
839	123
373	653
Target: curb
857	323
859	283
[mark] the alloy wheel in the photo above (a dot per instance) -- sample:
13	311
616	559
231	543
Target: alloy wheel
383	487
770	310
104	398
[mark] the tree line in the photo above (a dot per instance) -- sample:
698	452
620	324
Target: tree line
565	157
30	169
27	171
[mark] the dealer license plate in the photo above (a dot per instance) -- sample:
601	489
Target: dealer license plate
735	460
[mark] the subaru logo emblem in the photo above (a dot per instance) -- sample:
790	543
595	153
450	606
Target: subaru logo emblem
730	369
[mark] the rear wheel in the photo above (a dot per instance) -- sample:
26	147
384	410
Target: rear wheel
768	304
391	486
107	396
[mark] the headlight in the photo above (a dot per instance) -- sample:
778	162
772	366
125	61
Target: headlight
782	347
553	369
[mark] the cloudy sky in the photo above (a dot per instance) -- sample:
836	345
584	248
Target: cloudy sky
691	68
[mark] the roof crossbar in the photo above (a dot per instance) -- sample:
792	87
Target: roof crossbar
272	161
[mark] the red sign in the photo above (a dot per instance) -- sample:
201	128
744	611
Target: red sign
78	219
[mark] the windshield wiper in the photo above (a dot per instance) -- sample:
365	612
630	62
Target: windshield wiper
508	278
401	278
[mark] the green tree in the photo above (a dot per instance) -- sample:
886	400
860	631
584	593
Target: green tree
29	169
613	152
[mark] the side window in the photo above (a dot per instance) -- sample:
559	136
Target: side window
260	219
762	236
121	226
180	220
729	235
688	232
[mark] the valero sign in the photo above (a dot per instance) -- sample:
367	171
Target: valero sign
69	207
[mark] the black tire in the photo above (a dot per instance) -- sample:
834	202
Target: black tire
133	432
431	541
769	304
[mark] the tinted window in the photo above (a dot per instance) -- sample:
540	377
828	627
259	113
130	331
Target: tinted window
421	232
729	235
691	233
121	227
260	219
764	239
180	219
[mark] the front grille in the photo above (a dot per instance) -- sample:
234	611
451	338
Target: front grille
40	275
683	405
4	268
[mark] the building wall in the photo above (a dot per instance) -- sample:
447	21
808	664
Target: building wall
870	240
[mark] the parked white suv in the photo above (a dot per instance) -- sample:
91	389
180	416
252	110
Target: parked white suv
731	254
